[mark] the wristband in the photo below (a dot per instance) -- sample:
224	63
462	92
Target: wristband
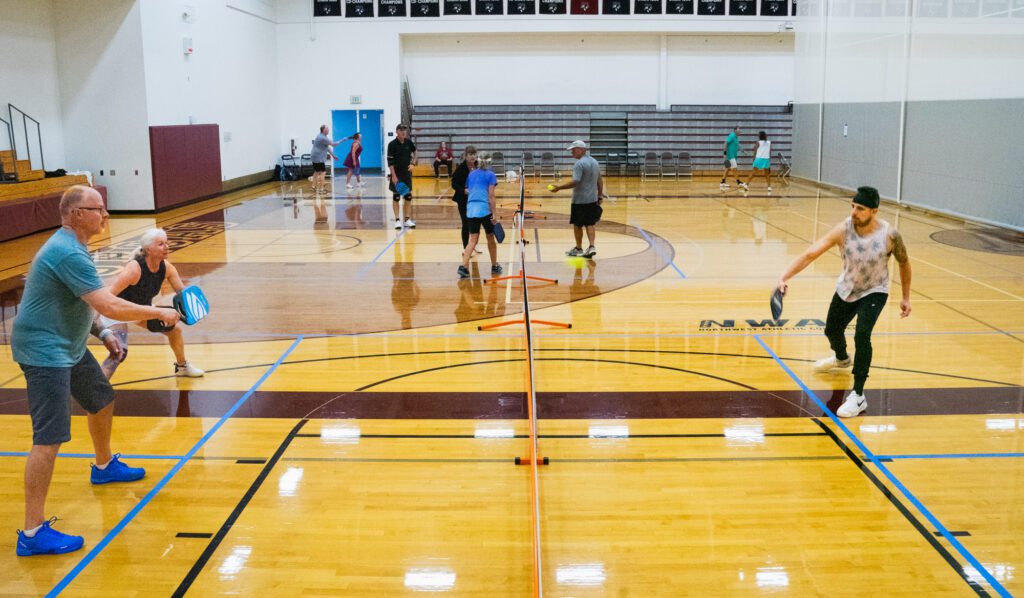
104	334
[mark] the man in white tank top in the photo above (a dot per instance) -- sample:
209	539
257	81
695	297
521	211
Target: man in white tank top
865	243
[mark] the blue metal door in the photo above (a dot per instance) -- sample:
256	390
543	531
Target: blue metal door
373	139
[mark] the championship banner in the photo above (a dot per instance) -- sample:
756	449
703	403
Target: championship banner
522	7
615	7
390	8
742	8
457	7
774	8
326	8
552	7
647	7
490	7
425	8
711	7
583	7
358	8
679	7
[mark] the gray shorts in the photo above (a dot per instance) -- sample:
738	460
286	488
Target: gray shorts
48	393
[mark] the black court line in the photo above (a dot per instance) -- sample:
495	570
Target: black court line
566	350
921	529
958	534
251	461
193	535
204	558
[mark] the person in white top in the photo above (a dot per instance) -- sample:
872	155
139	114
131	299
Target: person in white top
865	243
762	161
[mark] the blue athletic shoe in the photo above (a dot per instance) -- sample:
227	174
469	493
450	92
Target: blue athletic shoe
48	541
115	471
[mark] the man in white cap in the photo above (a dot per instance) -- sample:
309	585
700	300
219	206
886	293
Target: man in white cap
587	193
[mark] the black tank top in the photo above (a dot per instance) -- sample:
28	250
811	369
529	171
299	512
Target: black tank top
142	292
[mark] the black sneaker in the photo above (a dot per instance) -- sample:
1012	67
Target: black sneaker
496	269
463	272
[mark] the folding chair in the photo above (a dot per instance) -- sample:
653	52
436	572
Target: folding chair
306	165
685	167
529	166
669	167
785	170
614	164
633	165
498	163
651	166
547	165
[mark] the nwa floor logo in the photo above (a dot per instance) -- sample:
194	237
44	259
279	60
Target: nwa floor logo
769	324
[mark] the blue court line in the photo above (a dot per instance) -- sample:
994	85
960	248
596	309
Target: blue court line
974	562
366	268
91	455
63	584
955	456
650	241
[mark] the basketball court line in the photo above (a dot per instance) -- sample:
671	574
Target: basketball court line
669	258
207	553
872	458
117	529
370	264
953	456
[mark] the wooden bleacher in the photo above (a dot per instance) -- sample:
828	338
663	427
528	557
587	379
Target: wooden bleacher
23	168
31	206
42	186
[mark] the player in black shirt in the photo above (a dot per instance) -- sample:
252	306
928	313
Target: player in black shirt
401	159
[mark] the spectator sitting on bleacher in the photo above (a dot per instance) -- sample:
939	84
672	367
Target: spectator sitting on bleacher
443	155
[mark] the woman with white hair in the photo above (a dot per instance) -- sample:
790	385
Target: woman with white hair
139	282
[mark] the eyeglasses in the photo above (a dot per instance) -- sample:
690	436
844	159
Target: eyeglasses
100	209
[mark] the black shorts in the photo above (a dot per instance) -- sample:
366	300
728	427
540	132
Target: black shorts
474	225
404	179
319	167
585	214
49	390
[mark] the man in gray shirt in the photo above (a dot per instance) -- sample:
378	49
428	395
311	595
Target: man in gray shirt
322	145
587	193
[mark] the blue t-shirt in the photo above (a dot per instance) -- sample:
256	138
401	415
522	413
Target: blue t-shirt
479	184
732	146
320	145
53	322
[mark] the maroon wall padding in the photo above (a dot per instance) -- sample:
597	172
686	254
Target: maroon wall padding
20	217
186	163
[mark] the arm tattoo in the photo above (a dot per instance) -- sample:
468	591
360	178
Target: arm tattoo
899	250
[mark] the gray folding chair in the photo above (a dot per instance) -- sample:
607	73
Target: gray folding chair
547	165
498	163
685	168
669	167
785	169
651	166
529	166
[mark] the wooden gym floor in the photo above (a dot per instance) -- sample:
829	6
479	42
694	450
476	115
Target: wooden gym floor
355	432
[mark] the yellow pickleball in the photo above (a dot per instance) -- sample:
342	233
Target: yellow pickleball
551	187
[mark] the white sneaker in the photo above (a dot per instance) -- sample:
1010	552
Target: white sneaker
745	187
410	223
831	363
853	406
361	184
350	187
398	224
723	186
769	189
188	370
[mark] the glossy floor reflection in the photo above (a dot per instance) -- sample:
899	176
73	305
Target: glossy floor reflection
355	432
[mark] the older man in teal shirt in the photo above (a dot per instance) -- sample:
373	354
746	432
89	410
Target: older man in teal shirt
48	342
